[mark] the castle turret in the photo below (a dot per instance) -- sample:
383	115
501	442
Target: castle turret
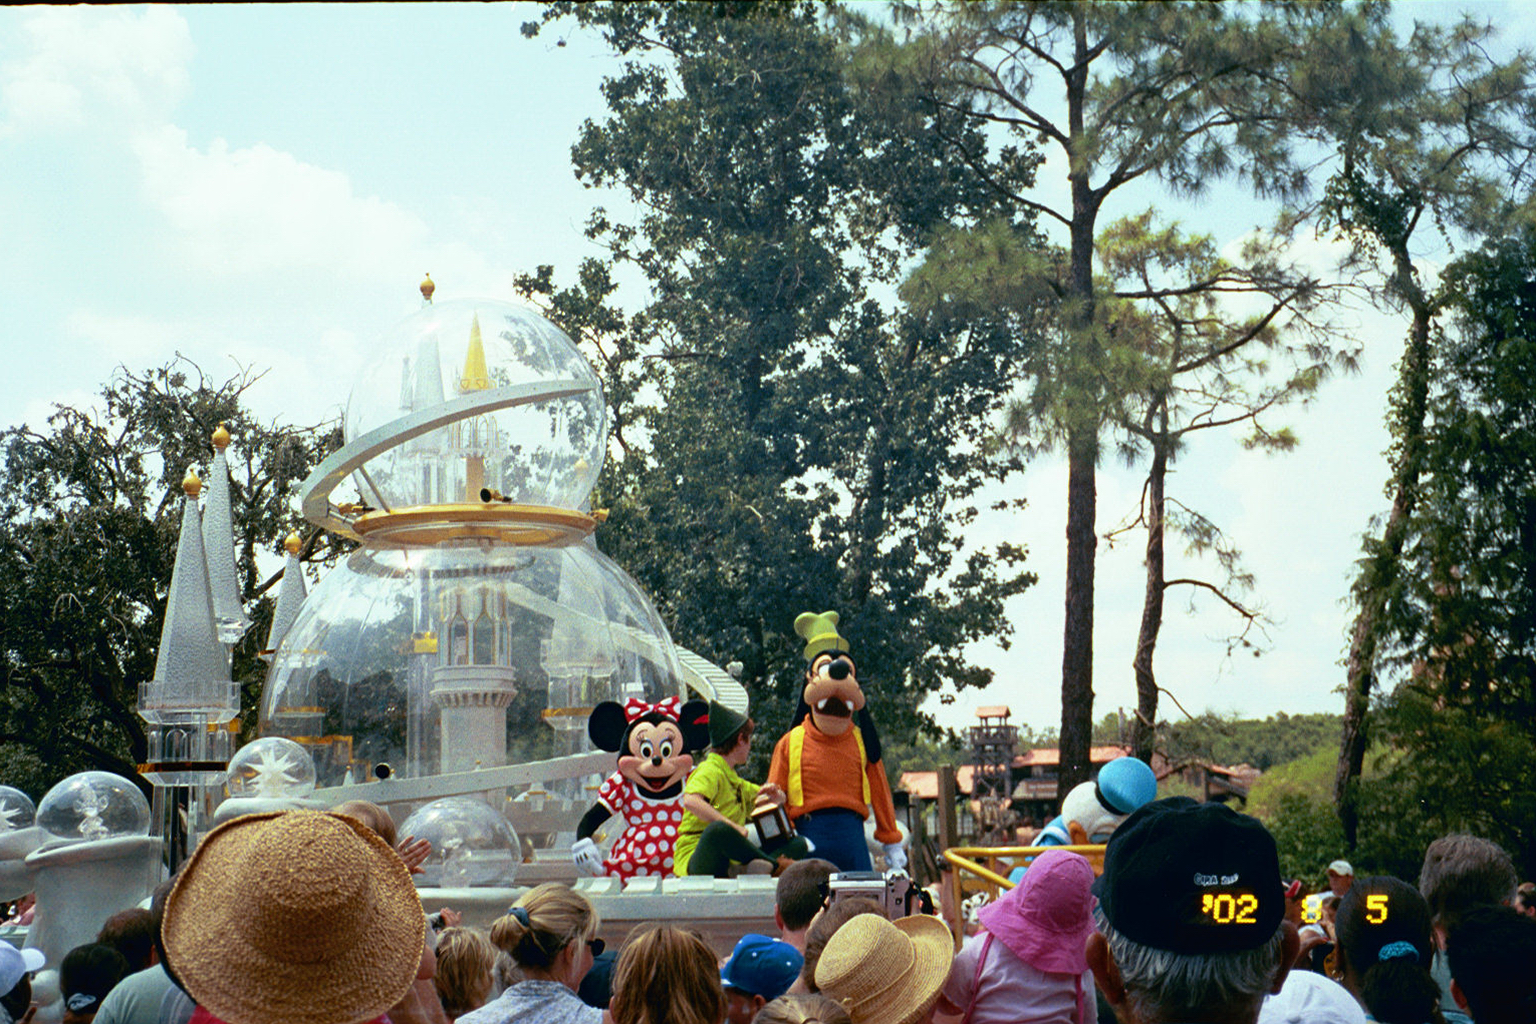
219	546
290	596
191	699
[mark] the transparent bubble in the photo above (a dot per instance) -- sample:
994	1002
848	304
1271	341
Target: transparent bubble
471	844
94	805
439	659
272	767
545	452
16	810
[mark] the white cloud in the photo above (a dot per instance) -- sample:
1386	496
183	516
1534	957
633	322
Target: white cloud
121	67
255	209
128	339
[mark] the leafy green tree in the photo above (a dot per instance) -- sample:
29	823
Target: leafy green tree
1431	131
790	438
1123	93
1307	836
1460	631
89	514
1295	802
1264	743
1205	367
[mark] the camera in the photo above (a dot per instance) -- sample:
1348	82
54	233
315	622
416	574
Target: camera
893	890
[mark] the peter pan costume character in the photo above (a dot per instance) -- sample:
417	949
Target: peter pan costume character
713	836
828	766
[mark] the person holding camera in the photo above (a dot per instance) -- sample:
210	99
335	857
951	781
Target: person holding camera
714	836
887	972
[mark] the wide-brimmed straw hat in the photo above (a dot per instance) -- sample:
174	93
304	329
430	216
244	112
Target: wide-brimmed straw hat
884	972
294	917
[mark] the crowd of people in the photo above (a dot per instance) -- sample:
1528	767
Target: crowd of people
308	917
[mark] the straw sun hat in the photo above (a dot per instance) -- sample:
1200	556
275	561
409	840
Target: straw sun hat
883	972
294	917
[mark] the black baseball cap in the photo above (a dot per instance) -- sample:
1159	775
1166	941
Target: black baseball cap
1192	878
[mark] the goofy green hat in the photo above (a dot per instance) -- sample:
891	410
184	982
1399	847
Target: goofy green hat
820	633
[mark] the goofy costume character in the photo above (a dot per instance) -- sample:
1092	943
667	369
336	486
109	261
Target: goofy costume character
828	767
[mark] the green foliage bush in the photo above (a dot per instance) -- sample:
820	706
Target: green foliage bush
1307	834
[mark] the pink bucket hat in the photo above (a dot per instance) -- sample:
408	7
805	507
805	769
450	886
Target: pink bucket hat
1046	919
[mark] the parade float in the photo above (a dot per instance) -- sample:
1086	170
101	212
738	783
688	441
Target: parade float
446	667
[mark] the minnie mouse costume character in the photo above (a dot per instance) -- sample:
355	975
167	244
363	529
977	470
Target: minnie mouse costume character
653	742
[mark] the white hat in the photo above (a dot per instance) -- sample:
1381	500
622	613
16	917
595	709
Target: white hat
1309	998
16	962
1340	867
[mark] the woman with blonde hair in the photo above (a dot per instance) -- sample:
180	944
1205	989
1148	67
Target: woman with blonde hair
808	1008
549	933
667	975
466	965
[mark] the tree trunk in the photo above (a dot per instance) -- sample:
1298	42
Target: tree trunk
1077	640
1082	449
1360	675
1143	729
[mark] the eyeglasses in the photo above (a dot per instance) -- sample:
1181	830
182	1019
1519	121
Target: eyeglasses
596	946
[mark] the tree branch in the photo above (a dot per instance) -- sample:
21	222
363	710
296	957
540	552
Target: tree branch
1244	612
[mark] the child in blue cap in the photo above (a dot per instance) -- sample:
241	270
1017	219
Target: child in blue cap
759	971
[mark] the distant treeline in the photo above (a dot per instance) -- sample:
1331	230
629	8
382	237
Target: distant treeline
1222	739
1228	740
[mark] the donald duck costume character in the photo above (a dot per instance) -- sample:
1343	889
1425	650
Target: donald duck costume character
1092	810
828	766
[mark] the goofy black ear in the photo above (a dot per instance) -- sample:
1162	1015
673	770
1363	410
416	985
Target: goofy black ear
693	719
866	723
606	726
802	709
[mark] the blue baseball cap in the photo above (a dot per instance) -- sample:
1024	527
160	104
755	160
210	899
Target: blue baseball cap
762	966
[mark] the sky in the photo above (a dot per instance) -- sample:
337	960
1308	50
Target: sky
263	187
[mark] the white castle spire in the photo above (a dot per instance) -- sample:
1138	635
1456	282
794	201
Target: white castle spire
290	597
192	667
219	546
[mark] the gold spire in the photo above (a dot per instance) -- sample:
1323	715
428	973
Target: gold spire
427	288
476	376
191	484
293	543
221	437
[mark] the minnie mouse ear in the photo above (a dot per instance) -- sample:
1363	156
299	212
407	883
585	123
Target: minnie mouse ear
606	725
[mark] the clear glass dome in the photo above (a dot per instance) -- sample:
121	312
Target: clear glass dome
94	805
463	655
272	767
547	452
16	809
471	844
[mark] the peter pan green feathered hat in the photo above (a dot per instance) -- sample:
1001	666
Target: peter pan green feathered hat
820	632
724	724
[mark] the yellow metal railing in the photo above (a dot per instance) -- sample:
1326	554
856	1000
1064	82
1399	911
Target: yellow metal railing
986	869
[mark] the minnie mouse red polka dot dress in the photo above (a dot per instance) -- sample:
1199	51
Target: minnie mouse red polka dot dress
650	831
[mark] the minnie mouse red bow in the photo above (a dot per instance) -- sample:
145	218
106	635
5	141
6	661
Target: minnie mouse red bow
634	707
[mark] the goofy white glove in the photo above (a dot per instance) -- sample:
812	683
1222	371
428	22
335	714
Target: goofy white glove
895	856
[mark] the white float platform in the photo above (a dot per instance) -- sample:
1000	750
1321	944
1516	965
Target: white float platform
720	909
